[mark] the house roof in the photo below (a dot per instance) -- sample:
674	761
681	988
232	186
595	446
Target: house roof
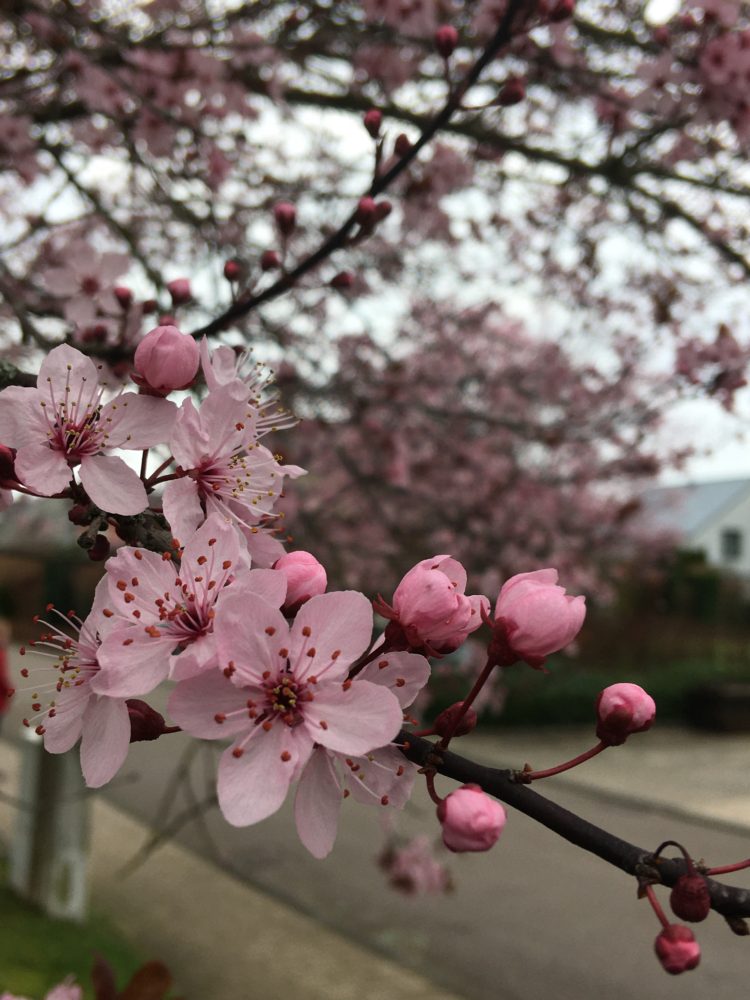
686	509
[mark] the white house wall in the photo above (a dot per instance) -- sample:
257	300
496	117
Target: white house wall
708	537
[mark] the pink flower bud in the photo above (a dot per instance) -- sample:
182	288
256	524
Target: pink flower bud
431	608
343	280
269	260
372	121
145	722
513	92
366	212
677	949
690	898
305	576
124	296
537	616
165	360
446	40
623	709
446	720
285	214
179	289
402	145
382	210
562	10
471	820
232	270
149	306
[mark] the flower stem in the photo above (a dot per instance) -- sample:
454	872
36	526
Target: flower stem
527	776
725	869
467	703
656	906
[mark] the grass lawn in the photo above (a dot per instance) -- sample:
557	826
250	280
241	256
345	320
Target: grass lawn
36	952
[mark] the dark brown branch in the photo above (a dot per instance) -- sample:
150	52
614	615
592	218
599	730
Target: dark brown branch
338	239
634	860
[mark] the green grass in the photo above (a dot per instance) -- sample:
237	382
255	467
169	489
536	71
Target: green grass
36	952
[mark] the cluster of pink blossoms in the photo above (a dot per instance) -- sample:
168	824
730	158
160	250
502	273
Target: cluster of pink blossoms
293	678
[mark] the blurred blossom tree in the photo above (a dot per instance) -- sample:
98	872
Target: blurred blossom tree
480	363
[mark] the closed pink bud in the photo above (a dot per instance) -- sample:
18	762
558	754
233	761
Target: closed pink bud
232	270
690	898
269	260
513	92
124	296
402	145
165	360
372	121
623	709
471	820
445	724
538	617
366	212
446	40
677	949
343	280
305	577
179	289
285	214
431	607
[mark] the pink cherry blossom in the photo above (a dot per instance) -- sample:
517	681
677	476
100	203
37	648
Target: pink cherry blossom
180	291
85	280
158	607
383	777
537	616
281	690
227	471
166	359
430	609
305	577
63	991
414	869
65	423
623	709
471	820
677	949
75	710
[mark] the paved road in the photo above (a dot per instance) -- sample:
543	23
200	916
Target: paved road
534	918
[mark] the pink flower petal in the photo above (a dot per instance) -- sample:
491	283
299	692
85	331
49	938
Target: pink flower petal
182	507
317	804
113	485
266	583
340	621
383	772
65	366
361	718
138	421
405	674
64	728
250	632
105	740
42	469
195	703
21	417
133	663
253	786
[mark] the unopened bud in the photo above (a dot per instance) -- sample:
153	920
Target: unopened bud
471	820
513	92
124	296
366	212
149	306
690	899
343	280
562	10
81	514
305	577
145	722
677	949
382	210
445	722
372	121
402	145
232	270
285	214
179	289
446	40
166	359
269	260
661	35
99	551
621	710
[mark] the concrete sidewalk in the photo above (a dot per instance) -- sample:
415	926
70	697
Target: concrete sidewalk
222	939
